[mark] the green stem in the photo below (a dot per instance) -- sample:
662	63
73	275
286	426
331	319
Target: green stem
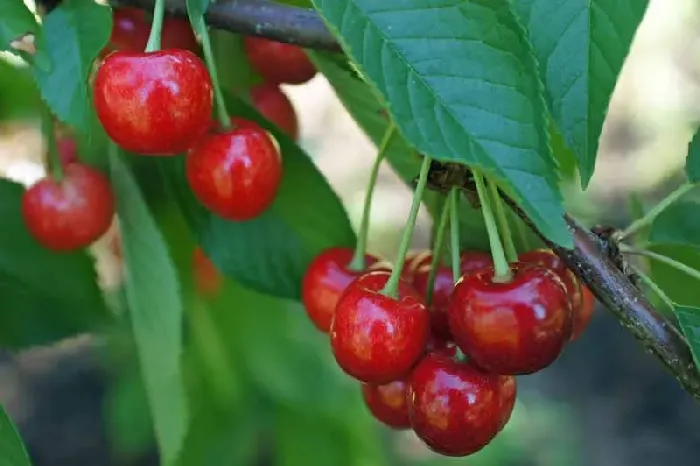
358	260
438	243
503	225
650	216
221	111
694	273
653	286
454	235
153	43
502	271
53	159
391	289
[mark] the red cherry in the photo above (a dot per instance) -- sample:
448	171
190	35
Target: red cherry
387	403
235	173
509	392
156	103
455	408
325	280
442	294
278	62
131	28
377	339
274	105
474	260
519	327
207	278
583	317
67	149
72	213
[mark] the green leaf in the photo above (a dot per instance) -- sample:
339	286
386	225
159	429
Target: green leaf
689	321
45	296
580	46
75	32
155	305
679	286
462	86
16	21
12	451
271	252
692	162
678	225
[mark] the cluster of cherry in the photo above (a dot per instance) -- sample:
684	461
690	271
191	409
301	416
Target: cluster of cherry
154	96
446	370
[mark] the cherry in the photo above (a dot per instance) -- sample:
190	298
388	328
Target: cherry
67	149
509	392
583	317
325	280
474	260
235	173
156	103
512	328
72	213
274	105
377	339
207	278
454	407
278	62
131	27
387	403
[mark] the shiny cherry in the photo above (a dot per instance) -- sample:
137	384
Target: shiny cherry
156	103
474	260
377	339
512	328
207	278
277	62
274	105
235	173
454	407
71	213
325	280
67	149
509	392
583	317
387	403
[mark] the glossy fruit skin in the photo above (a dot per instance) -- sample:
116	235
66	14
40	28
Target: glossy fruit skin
509	393
131	27
235	173
156	103
474	260
70	214
513	328
274	105
454	407
388	403
377	339
277	62
325	280
207	278
67	149
583	317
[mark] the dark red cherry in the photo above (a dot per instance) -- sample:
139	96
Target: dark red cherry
375	338
474	260
67	149
277	62
583	317
325	280
274	105
512	328
387	403
442	294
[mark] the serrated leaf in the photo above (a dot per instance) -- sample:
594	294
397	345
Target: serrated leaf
463	87
42	304
689	321
75	32
692	161
12	451
678	225
580	46
271	252
155	306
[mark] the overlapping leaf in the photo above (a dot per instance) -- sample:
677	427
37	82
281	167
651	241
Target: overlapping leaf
692	162
12	451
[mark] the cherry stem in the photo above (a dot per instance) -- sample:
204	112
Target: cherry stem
357	263
502	272
681	267
653	286
650	216
53	159
154	36
454	235
503	225
522	232
391	289
439	241
221	111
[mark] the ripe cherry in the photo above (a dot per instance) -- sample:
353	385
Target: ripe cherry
512	328
454	407
71	213
509	392
207	278
156	103
235	173
388	403
277	62
583	317
274	105
131	27
325	280
67	149
377	339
